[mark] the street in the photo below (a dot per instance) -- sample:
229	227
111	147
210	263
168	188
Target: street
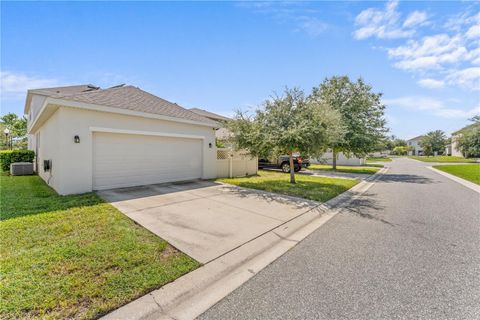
409	248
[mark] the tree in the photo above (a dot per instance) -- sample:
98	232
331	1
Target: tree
434	141
17	127
401	150
284	125
469	139
362	114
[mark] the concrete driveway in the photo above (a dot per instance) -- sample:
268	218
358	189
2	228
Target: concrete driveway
205	219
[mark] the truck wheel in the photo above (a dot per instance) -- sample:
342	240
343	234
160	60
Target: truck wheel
285	167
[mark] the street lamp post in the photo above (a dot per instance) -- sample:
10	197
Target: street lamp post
7	132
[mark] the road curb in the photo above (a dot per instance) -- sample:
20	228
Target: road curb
189	296
463	182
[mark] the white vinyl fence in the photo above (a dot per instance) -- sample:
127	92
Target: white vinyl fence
231	163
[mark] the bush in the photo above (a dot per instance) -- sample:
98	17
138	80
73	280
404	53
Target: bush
9	156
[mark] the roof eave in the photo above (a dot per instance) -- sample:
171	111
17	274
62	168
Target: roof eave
97	107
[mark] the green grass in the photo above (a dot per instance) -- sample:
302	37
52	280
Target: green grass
308	187
379	159
74	257
376	165
442	159
470	172
348	169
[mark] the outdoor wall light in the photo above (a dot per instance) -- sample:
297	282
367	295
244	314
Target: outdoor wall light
76	139
210	145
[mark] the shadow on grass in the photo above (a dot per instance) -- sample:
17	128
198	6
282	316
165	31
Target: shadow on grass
29	195
310	190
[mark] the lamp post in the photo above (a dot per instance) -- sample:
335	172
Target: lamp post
7	132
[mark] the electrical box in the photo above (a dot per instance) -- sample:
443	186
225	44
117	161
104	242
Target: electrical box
47	165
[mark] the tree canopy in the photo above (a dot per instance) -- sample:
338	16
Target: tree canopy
469	139
286	124
361	111
18	129
434	142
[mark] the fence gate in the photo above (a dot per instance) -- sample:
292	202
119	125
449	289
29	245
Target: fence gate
231	163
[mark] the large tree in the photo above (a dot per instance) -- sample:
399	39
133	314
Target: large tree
285	124
434	142
469	139
362	114
18	129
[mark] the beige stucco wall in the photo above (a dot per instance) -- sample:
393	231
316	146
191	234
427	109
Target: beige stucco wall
73	161
47	150
455	148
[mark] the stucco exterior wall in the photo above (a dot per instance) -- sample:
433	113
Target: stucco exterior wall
35	106
455	148
49	150
417	149
75	173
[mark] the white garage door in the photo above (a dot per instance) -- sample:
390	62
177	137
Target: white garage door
124	160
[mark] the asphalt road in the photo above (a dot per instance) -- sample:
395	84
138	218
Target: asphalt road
408	249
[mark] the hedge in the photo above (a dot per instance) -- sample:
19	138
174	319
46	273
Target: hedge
10	156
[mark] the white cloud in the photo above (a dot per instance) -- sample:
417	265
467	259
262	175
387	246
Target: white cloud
446	58
473	32
468	78
295	13
429	53
456	113
415	18
17	84
432	106
386	23
431	83
312	26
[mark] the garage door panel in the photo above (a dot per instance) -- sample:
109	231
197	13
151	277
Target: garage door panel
121	160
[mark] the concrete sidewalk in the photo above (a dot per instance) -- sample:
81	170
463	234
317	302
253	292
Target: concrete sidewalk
194	293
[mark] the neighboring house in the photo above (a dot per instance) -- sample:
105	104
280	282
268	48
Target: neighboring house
455	150
87	138
222	133
342	159
416	148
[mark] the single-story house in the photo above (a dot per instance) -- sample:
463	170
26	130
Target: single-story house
414	144
342	159
87	138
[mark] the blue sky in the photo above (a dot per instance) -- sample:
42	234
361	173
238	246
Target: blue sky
223	56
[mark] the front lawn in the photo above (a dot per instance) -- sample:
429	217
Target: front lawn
379	159
74	257
348	169
470	172
442	159
308	187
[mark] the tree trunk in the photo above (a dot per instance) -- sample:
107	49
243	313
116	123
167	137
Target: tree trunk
334	160
292	168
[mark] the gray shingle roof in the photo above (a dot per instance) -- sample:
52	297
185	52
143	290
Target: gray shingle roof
209	114
125	97
62	91
416	138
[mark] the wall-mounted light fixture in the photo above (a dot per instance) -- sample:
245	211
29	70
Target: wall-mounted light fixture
210	145
76	139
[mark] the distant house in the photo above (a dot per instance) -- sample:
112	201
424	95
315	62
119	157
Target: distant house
342	159
222	133
416	148
454	148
